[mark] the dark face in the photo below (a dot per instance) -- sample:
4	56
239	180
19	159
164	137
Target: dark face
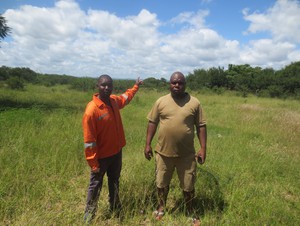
177	84
105	85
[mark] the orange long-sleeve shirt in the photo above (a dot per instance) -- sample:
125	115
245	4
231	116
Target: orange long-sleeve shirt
103	131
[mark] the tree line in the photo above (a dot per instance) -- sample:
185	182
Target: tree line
246	79
265	82
18	77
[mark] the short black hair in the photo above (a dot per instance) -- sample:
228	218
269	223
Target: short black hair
104	76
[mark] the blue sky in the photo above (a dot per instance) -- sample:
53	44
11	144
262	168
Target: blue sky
126	39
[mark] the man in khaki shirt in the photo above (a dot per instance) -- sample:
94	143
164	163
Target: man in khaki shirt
178	115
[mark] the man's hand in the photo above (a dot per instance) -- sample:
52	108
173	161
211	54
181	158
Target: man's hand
148	153
97	170
139	81
201	156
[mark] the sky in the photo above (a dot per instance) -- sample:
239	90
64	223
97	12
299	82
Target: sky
148	38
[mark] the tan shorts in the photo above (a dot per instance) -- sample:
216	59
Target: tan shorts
185	167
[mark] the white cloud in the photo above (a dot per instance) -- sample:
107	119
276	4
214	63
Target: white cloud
198	48
44	24
135	32
196	20
282	21
267	53
64	39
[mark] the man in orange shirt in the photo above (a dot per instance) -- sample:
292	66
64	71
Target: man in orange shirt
103	141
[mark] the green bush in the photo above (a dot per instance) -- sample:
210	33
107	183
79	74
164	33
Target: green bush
15	83
275	91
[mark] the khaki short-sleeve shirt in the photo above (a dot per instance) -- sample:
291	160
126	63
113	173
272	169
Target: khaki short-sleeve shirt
177	120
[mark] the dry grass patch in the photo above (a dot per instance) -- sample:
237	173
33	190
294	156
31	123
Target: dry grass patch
250	112
251	107
289	119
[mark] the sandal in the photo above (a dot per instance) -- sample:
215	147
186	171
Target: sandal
158	214
196	221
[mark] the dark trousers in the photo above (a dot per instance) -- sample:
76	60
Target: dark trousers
112	167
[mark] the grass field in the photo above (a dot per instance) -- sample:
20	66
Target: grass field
251	176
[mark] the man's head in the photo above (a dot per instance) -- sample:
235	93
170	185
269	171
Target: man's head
105	85
177	84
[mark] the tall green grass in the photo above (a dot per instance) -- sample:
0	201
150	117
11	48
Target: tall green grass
251	176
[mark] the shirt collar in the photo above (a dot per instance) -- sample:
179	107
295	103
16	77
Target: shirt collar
97	101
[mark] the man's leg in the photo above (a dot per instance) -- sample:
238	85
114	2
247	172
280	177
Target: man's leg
186	170
164	172
162	198
113	174
94	189
188	199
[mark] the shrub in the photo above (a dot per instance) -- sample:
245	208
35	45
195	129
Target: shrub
275	91
15	83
